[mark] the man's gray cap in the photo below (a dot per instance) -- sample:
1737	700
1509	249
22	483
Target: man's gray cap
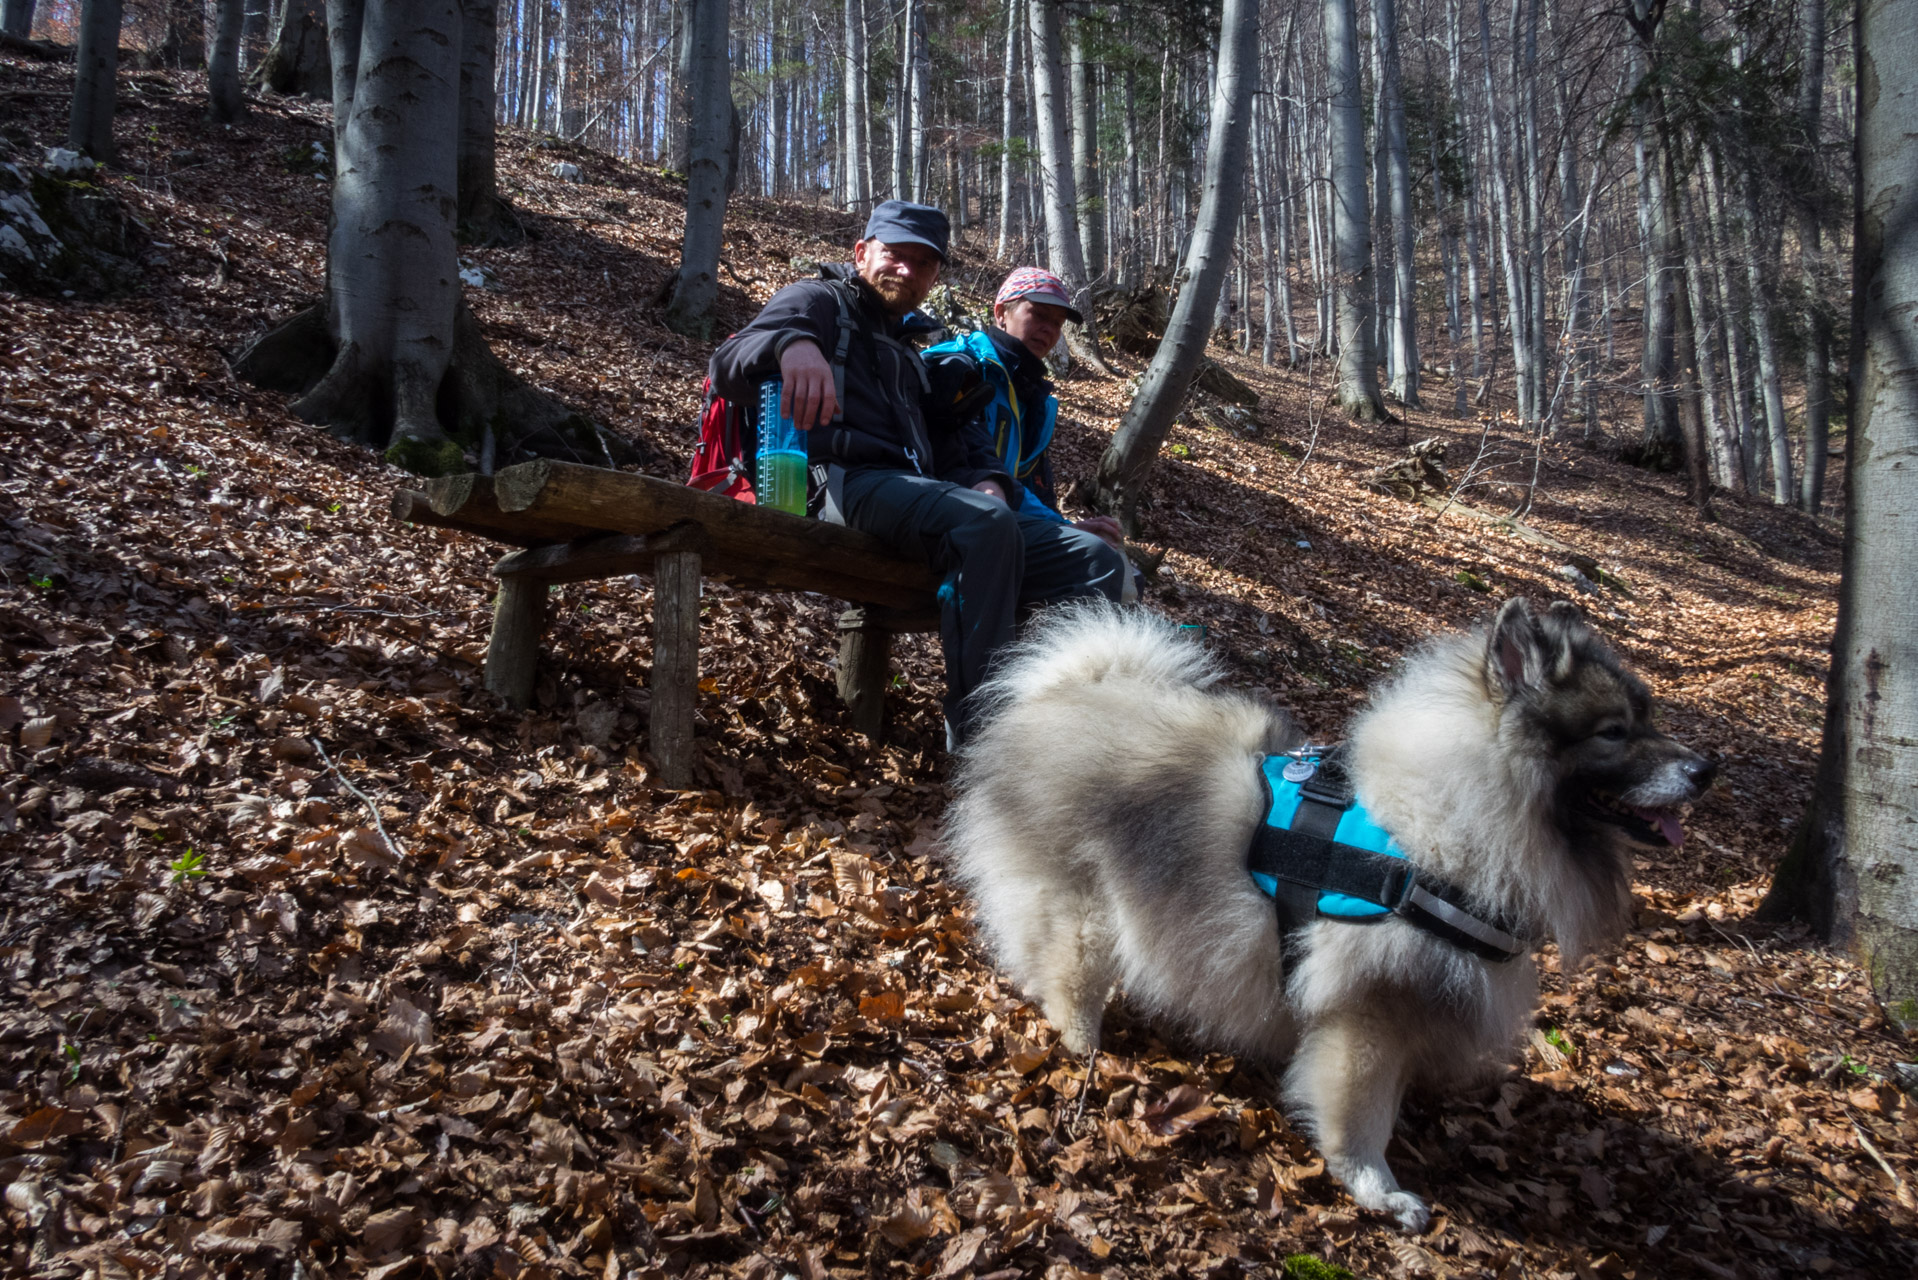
902	222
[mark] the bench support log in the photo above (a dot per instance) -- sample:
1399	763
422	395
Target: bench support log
512	655
865	653
676	579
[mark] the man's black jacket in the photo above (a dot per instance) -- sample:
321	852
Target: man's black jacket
881	420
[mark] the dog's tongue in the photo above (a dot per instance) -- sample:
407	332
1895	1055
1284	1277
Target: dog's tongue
1667	826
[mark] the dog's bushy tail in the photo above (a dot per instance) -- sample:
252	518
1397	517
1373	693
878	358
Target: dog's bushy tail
1086	641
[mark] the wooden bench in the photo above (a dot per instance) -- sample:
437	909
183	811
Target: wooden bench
574	523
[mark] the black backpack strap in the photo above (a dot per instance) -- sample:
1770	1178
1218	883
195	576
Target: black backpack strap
842	343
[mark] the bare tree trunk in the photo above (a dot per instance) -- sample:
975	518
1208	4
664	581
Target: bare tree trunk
1732	304
1405	341
919	86
1517	272
1811	258
1261	195
1721	437
97	62
1278	147
1123	468
1008	120
1085	156
16	18
857	148
225	103
298	60
711	160
483	217
393	354
392	271
1852	871
1130	250
684	108
1358	376
1065	254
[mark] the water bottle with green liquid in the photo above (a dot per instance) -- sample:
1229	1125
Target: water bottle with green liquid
779	479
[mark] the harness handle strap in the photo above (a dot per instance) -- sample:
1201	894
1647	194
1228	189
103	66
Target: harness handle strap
1461	928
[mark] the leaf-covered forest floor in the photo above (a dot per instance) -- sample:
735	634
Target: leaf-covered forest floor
320	962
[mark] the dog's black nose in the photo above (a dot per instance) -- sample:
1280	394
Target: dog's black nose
1701	771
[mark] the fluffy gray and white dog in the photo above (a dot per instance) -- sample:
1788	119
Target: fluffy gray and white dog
1110	794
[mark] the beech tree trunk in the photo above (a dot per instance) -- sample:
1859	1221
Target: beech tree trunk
855	158
299	61
1008	118
1811	260
483	218
1181	353
392	357
710	161
1085	156
920	86
1358	375
96	74
1852	872
225	103
16	18
1065	254
1404	364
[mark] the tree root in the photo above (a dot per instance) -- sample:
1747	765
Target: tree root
429	430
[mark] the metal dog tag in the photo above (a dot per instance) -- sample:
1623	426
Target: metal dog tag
1298	770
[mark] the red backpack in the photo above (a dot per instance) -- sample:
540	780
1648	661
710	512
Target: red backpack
728	443
728	435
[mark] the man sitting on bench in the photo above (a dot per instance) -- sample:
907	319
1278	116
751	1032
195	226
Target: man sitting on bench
883	470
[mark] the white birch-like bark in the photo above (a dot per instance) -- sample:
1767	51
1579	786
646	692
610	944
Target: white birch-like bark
1123	468
1853	871
96	76
1358	375
710	161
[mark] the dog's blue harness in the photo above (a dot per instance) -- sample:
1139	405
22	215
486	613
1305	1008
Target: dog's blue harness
1320	854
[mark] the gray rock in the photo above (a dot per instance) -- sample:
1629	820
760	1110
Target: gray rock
63	163
567	171
1574	575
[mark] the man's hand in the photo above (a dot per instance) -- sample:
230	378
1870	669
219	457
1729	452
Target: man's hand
1104	528
991	487
806	384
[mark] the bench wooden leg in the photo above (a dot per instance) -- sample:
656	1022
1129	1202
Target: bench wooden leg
512	654
865	653
676	578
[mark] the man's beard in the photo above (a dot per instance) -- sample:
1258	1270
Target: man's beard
899	296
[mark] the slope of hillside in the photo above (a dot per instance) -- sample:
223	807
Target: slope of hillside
319	962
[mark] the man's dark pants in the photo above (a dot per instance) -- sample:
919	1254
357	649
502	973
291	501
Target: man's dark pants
990	559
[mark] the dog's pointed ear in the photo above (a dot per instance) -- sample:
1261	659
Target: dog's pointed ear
1564	628
1516	651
